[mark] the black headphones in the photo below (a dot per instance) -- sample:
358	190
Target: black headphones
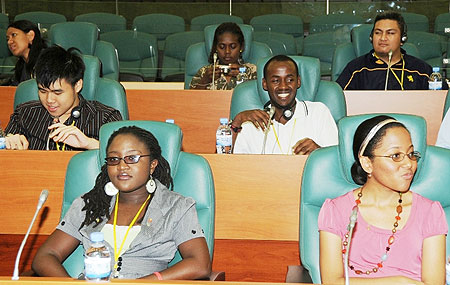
403	39
287	111
76	112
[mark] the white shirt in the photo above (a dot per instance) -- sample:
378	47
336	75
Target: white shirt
443	139
310	120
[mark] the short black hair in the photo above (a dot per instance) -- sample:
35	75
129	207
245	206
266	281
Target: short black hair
392	15
227	27
280	58
56	63
37	45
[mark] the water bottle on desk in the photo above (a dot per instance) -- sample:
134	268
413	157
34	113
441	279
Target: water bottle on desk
447	271
435	82
224	137
2	138
97	259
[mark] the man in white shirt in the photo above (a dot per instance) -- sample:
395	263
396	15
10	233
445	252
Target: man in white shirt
297	127
443	139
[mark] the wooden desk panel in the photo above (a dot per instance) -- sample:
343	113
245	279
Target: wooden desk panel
6	104
424	103
197	112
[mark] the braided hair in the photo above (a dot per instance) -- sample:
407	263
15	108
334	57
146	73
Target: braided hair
97	202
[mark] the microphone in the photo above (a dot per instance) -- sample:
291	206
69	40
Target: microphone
387	72
266	131
42	199
213	87
350	227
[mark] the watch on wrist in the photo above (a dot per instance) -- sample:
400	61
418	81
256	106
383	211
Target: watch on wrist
234	128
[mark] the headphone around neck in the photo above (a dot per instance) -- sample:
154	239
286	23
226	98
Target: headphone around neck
76	112
288	111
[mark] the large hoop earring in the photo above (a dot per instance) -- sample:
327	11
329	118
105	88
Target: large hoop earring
151	185
110	189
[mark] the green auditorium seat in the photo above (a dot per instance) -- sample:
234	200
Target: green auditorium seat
327	175
279	43
173	62
106	22
84	36
41	18
331	22
138	53
416	22
159	25
281	23
200	22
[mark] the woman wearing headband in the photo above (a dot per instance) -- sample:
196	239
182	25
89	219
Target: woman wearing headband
399	235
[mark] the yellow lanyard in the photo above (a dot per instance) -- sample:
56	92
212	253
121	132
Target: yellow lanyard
64	145
117	252
290	140
403	72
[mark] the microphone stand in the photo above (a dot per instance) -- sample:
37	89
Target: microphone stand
351	226
387	72
213	87
42	199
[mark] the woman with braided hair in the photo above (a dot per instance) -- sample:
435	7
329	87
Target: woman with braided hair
144	223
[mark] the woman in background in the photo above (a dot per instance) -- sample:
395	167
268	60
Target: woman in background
399	236
227	48
25	42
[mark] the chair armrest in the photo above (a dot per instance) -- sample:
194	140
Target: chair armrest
217	276
297	274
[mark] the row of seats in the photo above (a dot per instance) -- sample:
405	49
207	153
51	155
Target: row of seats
155	49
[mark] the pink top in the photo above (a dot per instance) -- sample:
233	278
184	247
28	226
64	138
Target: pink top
369	243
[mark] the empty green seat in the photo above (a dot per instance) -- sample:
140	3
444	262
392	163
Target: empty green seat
200	22
41	18
106	22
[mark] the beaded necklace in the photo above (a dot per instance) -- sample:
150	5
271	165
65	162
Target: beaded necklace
390	241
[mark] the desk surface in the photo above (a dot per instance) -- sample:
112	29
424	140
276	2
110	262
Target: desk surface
68	281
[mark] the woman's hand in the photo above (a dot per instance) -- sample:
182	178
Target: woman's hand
207	76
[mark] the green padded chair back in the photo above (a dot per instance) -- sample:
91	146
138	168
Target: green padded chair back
428	45
84	36
331	22
4	21
286	41
441	22
199	23
332	165
279	23
138	52
160	25
106	22
184	166
416	22
251	95
106	91
173	62
41	18
197	54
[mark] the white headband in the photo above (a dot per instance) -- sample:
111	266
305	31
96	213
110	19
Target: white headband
372	133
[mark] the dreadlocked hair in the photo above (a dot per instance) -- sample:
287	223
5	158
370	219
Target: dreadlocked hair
97	202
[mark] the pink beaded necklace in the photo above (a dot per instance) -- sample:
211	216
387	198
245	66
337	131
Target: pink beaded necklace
390	241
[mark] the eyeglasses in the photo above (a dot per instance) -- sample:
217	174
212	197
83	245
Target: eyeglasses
128	159
397	157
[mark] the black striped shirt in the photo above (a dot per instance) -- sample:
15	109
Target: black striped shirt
32	120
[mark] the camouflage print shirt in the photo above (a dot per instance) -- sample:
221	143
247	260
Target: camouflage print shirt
221	82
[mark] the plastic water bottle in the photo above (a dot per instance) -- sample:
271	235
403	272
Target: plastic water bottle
170	121
97	259
2	139
435	82
242	76
224	137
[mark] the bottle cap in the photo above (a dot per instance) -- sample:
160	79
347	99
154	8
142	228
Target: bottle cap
170	121
436	69
97	237
223	121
